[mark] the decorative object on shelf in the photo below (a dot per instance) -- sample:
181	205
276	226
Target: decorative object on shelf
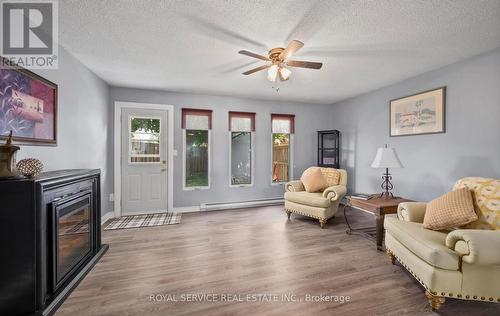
421	113
8	159
30	167
329	149
386	158
29	106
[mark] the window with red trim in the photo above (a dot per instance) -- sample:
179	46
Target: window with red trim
196	125
282	127
241	127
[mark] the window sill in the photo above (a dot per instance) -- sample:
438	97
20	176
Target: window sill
278	183
195	188
240	185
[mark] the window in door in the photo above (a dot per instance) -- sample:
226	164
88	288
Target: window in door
241	139
196	125
144	140
282	139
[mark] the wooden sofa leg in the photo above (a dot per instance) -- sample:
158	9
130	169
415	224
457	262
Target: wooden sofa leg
322	223
391	257
434	300
288	213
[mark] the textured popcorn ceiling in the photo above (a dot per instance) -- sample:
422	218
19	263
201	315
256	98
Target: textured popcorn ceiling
191	46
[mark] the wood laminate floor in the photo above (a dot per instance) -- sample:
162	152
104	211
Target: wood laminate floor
250	252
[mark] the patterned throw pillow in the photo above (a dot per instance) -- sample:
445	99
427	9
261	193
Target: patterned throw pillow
332	176
454	209
313	180
486	199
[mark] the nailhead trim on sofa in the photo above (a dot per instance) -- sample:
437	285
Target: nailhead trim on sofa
299	212
467	297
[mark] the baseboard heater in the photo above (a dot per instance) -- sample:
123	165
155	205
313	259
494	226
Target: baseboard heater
241	204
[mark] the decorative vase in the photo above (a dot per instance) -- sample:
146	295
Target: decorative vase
8	159
30	167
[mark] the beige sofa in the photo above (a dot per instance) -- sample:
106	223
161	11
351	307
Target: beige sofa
320	205
463	263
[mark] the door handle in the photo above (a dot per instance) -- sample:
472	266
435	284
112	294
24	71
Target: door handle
163	169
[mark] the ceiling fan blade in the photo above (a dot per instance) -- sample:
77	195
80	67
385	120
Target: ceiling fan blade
291	49
251	71
254	55
304	64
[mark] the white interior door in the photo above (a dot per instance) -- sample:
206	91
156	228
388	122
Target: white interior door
144	161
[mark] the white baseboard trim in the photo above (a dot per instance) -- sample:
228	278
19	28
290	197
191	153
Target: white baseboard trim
206	207
107	216
213	207
186	209
242	204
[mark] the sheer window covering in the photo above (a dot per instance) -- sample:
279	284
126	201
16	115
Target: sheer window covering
283	123
242	121
196	119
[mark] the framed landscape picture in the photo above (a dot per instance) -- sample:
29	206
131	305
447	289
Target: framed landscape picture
421	113
28	106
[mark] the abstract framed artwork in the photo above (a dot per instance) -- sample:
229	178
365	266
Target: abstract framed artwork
417	114
28	106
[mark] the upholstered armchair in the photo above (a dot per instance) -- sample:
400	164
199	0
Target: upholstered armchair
462	263
320	205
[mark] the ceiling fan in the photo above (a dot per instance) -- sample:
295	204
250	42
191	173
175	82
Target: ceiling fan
279	59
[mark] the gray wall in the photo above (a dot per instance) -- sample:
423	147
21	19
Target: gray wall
470	146
83	123
309	119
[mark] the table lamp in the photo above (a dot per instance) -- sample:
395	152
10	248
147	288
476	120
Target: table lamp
386	157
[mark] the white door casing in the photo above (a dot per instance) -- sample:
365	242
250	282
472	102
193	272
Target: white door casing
143	187
144	174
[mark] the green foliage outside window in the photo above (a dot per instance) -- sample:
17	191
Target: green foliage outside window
197	138
280	138
146	124
196	158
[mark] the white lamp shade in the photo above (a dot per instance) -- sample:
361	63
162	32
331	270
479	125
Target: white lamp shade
272	73
386	158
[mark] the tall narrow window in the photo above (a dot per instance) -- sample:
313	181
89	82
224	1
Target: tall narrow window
241	128
196	125
282	138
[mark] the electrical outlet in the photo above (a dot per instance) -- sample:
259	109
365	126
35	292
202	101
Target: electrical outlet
111	197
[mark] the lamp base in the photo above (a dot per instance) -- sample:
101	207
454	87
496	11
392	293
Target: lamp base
387	186
387	195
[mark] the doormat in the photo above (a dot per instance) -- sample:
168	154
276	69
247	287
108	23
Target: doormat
147	220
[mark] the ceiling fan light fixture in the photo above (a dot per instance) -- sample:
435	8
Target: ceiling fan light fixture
285	73
272	73
277	59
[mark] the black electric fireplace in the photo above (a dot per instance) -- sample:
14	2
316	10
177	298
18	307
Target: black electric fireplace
51	235
72	234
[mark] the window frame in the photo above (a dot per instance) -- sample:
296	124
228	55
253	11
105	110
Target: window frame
203	112
291	135
252	163
251	116
160	147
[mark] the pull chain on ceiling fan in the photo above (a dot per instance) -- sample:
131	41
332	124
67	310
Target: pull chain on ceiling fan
279	59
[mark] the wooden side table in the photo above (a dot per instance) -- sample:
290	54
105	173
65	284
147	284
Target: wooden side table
378	207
